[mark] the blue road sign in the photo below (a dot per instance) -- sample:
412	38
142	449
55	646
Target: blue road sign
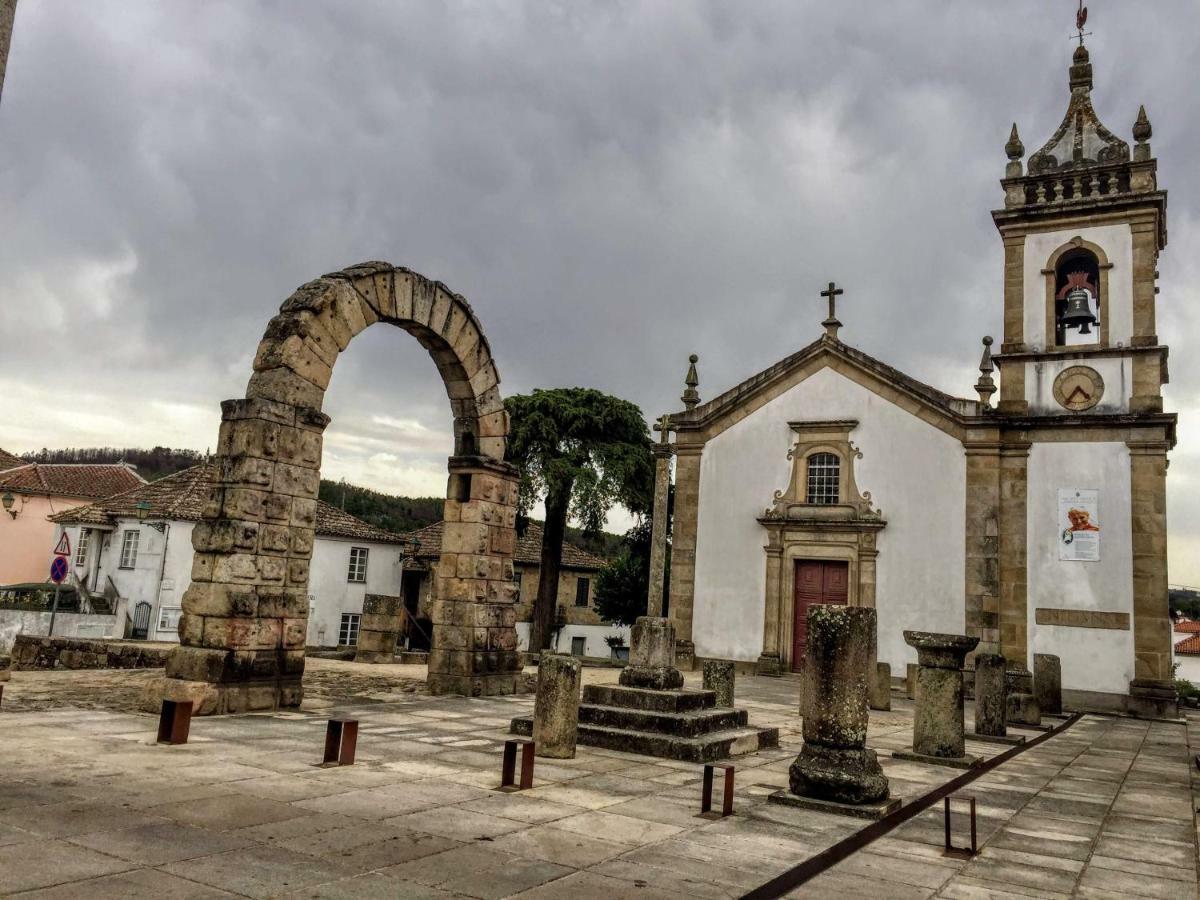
58	569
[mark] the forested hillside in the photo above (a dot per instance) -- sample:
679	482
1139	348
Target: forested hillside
151	464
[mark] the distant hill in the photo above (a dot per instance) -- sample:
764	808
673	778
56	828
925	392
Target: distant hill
387	511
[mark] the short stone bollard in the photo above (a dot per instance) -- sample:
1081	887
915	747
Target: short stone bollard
910	681
881	687
556	707
991	696
652	656
835	772
1047	683
719	678
939	732
1023	711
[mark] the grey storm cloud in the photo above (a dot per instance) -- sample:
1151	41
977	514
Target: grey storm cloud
613	185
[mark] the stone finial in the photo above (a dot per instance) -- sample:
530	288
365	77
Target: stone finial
1142	132
986	386
690	395
1081	69
1014	149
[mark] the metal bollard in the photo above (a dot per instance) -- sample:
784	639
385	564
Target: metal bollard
508	769
961	852
341	739
174	721
727	795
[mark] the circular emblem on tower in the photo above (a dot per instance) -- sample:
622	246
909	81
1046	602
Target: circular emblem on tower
1078	388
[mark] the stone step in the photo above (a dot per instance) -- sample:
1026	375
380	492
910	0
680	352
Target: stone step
706	748
647	699
692	723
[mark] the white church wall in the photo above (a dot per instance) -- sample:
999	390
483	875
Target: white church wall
1116	372
916	475
1093	659
331	593
1117	242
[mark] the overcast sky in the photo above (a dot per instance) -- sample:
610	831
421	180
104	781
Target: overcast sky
612	185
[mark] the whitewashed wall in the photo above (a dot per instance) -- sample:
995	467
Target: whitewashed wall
1117	242
1117	373
916	475
330	594
593	636
1093	659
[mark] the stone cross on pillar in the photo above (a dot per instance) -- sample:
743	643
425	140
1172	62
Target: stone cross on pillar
831	323
663	451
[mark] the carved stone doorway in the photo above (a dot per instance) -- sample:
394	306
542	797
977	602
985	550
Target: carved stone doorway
818	581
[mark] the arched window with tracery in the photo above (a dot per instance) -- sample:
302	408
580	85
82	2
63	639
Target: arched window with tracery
824	479
1077	321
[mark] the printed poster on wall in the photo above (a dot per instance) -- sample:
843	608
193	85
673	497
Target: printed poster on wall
1078	524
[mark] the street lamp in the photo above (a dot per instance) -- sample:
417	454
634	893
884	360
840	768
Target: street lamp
8	500
143	509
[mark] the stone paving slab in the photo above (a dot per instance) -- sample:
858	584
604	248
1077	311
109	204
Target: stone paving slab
91	806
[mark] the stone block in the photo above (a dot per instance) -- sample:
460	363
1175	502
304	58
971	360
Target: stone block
719	677
556	707
1023	709
910	681
1047	683
881	687
991	695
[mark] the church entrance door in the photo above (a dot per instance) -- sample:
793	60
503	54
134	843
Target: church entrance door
817	581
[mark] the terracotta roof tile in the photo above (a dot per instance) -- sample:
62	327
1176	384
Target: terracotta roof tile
181	497
1189	646
1187	627
529	548
87	481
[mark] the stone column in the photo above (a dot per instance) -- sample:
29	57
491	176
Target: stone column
938	727
834	766
663	452
991	695
1013	556
474	615
1047	683
719	675
881	687
683	539
770	661
382	620
556	707
982	531
652	656
910	680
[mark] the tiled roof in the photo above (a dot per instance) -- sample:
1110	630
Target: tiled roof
181	497
8	461
1189	646
69	480
529	548
1187	627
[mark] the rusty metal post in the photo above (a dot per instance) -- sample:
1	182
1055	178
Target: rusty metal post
961	852
341	740
508	767
727	792
174	721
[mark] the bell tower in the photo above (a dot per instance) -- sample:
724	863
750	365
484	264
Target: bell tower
1082	435
1083	223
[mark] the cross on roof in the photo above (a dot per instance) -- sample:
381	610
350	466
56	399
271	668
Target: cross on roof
831	323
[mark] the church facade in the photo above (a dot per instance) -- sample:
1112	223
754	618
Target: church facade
1037	524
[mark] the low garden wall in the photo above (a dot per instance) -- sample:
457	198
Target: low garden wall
32	652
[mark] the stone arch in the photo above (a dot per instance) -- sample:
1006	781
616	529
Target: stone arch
1050	273
244	622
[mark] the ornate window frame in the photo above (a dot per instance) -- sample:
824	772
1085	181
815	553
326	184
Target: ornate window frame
796	529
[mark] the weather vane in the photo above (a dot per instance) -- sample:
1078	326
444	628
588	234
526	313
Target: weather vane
1080	21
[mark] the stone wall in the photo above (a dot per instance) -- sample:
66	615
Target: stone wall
31	652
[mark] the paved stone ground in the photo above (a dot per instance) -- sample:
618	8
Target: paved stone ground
90	806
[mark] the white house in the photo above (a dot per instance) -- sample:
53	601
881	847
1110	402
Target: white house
135	550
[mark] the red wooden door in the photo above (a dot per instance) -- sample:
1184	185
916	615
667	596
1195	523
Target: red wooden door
817	581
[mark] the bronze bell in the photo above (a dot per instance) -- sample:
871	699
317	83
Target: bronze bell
1078	313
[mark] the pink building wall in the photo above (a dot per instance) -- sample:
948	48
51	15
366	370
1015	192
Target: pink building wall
27	542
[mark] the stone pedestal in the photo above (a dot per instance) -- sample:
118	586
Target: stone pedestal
938	725
1150	699
685	656
719	678
652	656
910	681
834	767
556	707
769	664
881	687
1047	683
1023	710
991	695
379	629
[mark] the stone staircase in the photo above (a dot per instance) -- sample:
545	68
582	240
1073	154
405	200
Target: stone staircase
685	725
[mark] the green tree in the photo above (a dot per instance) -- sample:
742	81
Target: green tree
583	452
622	586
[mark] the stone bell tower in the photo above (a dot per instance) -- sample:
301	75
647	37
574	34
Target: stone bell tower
1081	408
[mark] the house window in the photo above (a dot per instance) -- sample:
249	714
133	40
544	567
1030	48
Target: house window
358	565
81	549
824	470
348	632
583	587
129	549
